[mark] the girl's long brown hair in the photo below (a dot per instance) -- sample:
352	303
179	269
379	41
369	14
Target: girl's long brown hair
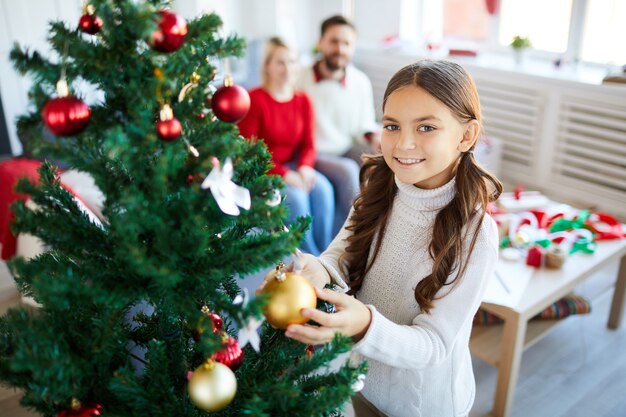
475	188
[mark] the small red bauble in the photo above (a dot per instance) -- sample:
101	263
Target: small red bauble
91	411
171	32
218	322
168	127
230	103
90	23
66	116
169	130
231	354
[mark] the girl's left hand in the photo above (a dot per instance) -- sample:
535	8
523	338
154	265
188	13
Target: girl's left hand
351	319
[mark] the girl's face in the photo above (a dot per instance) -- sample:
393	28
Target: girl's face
422	139
281	67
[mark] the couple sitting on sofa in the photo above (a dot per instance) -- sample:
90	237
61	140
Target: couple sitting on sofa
316	128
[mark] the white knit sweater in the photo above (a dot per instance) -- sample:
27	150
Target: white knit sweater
419	364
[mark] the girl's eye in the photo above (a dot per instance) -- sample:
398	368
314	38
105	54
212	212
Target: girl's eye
426	128
391	128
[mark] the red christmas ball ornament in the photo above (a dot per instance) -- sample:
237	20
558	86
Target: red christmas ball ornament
231	102
231	354
171	32
65	115
89	22
77	410
168	127
218	322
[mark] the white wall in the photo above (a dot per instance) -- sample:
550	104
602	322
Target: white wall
25	22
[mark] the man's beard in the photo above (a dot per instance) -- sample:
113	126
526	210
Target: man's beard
331	66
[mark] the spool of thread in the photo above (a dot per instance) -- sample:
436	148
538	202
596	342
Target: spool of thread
555	258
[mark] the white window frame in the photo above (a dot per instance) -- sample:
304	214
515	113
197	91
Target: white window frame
573	50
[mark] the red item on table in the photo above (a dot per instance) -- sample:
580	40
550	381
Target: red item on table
613	231
535	256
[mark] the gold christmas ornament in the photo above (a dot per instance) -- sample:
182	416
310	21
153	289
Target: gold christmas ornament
212	386
288	294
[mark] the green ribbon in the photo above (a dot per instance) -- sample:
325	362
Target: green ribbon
584	245
561	224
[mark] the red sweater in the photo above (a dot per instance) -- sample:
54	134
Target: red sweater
287	128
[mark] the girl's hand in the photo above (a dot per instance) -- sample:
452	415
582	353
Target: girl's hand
294	179
308	175
353	319
310	268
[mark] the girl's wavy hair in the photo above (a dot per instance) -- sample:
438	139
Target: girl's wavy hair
475	188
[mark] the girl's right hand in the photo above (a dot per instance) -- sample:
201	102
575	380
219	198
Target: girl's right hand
310	268
293	179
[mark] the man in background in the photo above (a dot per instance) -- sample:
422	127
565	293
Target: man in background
344	112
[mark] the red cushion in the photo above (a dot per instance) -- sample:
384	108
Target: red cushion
10	172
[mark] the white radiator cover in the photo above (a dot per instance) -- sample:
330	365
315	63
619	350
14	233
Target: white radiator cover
564	138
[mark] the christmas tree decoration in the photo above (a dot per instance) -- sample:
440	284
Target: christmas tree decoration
210	92
231	354
168	127
212	386
217	323
194	79
231	102
250	334
89	22
190	148
288	294
65	115
359	383
310	350
275	199
132	285
77	410
228	195
171	33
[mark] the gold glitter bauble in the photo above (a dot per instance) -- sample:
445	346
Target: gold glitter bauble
287	297
212	386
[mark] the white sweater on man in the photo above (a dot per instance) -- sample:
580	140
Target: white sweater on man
344	111
419	363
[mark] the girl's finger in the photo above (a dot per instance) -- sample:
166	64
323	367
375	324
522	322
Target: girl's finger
331	296
310	334
325	319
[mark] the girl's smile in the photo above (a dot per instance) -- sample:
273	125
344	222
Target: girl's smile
408	162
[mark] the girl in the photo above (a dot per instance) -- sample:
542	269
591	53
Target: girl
417	250
284	119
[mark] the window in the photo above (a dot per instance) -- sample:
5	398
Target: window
466	19
587	30
605	32
546	23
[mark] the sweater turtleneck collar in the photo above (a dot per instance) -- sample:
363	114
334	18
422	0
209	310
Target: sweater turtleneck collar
426	200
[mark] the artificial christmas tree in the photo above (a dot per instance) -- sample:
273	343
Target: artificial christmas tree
172	239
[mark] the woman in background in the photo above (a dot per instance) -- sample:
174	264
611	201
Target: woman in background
283	118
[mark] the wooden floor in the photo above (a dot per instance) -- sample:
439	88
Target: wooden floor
578	370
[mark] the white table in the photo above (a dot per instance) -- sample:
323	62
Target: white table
502	345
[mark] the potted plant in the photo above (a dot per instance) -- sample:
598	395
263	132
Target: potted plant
520	44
